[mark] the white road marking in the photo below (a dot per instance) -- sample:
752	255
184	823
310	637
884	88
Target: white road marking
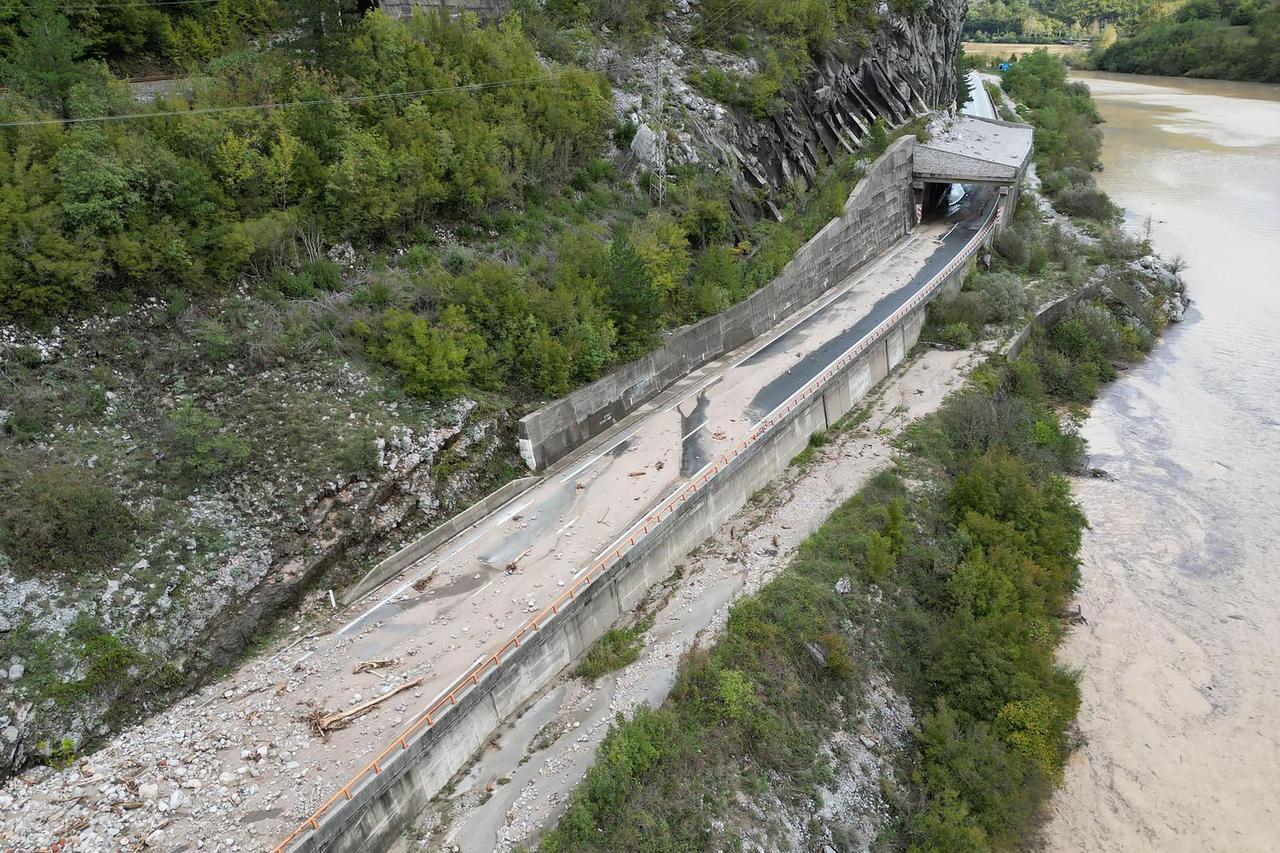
702	425
571	523
823	304
826	301
401	589
480	590
594	459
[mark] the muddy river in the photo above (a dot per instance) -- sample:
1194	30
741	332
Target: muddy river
1180	658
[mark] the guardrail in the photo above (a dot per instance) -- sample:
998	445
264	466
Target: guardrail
619	547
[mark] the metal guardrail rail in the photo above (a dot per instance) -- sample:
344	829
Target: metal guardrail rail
617	549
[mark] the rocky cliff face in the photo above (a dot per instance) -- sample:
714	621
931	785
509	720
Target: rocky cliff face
902	69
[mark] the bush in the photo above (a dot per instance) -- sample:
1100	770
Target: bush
1077	200
323	274
293	285
60	520
957	335
198	447
1004	294
617	648
215	342
431	359
1012	245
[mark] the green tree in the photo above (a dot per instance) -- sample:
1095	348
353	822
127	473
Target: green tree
42	272
45	60
637	303
432	359
199	447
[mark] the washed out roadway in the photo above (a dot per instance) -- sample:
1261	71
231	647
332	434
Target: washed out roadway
455	607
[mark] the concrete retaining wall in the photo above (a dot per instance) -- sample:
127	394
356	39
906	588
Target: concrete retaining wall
1049	314
877	213
414	551
385	805
485	8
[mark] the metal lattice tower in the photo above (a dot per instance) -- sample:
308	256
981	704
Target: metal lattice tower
658	184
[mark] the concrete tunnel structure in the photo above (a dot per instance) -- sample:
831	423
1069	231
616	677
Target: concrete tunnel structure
969	150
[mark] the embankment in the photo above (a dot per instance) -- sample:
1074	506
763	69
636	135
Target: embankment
374	809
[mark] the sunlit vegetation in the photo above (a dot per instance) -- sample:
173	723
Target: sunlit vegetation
1067	137
951	571
1228	39
974	568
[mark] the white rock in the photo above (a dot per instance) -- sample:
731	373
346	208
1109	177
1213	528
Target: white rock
148	791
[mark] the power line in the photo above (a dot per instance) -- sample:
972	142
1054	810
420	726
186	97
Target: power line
348	99
89	7
723	17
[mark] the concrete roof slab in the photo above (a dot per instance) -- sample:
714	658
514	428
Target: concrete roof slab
967	148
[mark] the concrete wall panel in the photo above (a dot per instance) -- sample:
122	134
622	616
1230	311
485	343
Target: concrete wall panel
878	212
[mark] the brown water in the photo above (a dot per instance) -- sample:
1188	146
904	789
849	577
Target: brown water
1180	659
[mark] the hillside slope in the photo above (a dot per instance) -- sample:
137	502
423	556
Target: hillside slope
244	359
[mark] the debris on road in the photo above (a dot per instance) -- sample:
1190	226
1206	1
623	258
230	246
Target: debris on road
514	565
369	665
321	724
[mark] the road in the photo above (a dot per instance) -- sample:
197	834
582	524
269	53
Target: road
248	742
456	607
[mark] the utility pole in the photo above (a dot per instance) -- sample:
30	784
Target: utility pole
658	180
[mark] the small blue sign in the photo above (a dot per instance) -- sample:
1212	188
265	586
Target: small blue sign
1004	66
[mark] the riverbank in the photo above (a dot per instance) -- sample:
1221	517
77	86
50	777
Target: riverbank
904	581
1179	655
880	592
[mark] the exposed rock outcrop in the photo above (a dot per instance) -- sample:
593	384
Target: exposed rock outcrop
904	68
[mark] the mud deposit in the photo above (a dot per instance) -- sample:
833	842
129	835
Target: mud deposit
1181	654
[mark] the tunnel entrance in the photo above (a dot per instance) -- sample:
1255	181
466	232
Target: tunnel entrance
935	200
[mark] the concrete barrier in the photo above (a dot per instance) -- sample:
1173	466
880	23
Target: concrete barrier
878	212
414	551
375	812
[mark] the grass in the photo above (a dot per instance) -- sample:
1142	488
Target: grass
616	649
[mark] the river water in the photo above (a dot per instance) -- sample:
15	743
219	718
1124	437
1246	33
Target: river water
1180	659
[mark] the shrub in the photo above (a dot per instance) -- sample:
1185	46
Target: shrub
1005	296
957	335
60	520
198	447
1013	247
617	648
214	340
1086	201
431	359
323	274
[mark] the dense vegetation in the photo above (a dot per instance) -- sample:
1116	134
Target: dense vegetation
405	125
975	569
216	317
135	35
1228	39
1047	21
959	562
1067	138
